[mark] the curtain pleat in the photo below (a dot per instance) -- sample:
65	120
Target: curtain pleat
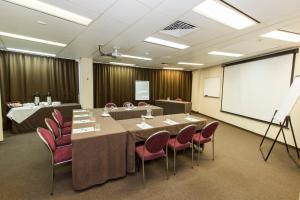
23	75
117	84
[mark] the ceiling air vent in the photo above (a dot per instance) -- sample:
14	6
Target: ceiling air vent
178	29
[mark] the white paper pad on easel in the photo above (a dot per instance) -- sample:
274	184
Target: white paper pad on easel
170	122
191	119
83	121
144	126
82	115
83	130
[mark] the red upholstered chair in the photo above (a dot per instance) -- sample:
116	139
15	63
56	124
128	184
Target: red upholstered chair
128	104
110	105
205	136
142	103
59	155
60	140
60	119
154	149
63	130
178	99
182	141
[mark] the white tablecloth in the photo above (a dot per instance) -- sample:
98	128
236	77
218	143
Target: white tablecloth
21	113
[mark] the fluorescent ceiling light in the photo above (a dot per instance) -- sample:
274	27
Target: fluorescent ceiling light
52	10
167	43
219	53
188	63
31	52
283	35
135	57
124	64
224	13
173	68
22	37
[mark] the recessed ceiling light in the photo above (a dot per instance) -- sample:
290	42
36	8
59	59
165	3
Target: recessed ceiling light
283	35
167	43
22	37
124	64
135	57
188	63
31	52
173	68
224	13
220	53
52	10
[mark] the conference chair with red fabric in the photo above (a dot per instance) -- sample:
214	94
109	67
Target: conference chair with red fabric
154	149
182	141
65	130
110	105
60	155
60	140
128	104
60	119
142	103
205	136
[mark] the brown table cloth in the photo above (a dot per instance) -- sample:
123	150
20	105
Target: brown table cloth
98	156
135	134
174	107
121	112
38	118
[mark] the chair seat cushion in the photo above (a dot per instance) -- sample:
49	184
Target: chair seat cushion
66	131
141	151
63	154
67	124
199	139
175	145
63	140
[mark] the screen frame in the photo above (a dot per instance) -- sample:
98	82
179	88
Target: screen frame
135	90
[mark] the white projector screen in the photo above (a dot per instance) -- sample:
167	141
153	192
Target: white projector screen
256	88
142	90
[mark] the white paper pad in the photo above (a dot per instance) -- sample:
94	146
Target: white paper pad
83	121
171	122
191	119
148	117
82	115
105	115
83	130
144	126
78	111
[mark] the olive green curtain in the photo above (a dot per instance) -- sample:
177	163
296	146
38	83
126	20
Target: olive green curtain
117	84
22	75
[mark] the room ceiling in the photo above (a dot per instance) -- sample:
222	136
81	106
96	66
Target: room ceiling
126	23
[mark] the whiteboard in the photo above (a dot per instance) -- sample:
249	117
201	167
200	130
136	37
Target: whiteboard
289	101
256	89
142	90
212	87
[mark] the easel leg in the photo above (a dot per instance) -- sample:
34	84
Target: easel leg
275	140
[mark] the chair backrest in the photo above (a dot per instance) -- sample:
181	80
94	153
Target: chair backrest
47	138
178	99
209	129
57	116
157	141
110	105
127	104
52	126
142	103
186	134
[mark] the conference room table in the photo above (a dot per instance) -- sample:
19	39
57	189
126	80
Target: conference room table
158	123
173	106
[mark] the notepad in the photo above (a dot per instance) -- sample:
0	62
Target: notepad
191	119
83	121
144	125
83	130
171	122
78	111
82	115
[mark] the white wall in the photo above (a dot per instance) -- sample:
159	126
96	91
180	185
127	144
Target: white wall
212	106
1	125
86	91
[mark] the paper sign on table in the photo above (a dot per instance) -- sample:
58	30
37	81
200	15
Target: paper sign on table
191	119
83	130
144	126
82	115
78	111
105	115
83	121
171	122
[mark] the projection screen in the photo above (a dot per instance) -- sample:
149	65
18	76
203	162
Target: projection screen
256	88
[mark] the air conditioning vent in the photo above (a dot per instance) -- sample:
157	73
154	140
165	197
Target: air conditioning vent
178	29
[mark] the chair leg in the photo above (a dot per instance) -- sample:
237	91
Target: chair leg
213	149
52	179
174	161
198	157
167	163
143	168
192	155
